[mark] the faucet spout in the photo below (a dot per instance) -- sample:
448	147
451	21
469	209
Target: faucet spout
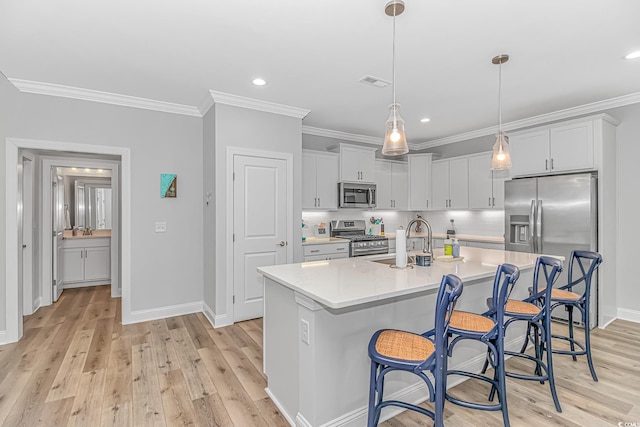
427	242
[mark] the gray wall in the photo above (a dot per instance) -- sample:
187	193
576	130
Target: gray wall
209	228
628	141
241	127
8	110
166	268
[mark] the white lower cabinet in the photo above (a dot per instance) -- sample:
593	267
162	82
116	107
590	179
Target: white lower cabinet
326	251
86	261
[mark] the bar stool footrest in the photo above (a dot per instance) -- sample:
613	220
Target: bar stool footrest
406	405
539	364
473	405
573	341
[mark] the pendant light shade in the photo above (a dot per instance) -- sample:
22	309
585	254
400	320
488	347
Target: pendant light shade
501	158
395	140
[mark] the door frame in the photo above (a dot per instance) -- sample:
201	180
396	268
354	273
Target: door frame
46	251
248	152
13	331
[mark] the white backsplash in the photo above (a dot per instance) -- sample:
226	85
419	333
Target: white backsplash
477	223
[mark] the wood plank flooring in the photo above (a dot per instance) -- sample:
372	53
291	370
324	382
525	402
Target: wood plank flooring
78	365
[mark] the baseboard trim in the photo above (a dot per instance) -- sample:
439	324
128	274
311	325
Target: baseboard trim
607	323
116	292
280	407
629	315
415	393
36	305
83	284
164	312
3	337
217	321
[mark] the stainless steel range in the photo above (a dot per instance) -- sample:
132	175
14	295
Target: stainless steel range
361	243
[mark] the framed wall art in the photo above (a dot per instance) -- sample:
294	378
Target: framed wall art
168	185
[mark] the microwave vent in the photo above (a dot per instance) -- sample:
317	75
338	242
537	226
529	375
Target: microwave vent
374	81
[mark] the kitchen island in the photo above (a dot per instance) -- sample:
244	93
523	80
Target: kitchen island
319	317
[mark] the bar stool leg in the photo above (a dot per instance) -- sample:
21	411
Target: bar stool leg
502	394
371	416
587	343
547	345
571	342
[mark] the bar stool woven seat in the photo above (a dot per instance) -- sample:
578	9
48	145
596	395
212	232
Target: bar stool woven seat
520	307
557	294
487	328
392	350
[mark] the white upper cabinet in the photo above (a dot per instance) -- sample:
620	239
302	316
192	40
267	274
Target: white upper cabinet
480	182
486	187
420	182
357	164
553	149
450	184
319	180
391	185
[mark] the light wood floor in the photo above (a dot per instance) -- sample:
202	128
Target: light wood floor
77	365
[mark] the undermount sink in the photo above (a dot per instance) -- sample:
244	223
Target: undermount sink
390	261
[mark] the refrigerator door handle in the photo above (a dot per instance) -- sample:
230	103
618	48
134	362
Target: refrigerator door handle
539	227
532	235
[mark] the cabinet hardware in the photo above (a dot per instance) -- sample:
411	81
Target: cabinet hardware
552	164
24	246
81	254
546	163
493	203
340	249
318	201
489	201
315	250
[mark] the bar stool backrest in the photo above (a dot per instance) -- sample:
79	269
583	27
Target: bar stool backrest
505	279
586	262
450	291
550	267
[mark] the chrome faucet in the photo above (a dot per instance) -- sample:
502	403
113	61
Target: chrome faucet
427	241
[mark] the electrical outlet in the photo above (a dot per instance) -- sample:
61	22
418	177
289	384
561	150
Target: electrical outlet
305	331
161	227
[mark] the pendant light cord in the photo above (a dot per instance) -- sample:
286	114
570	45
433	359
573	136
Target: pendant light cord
500	96
393	66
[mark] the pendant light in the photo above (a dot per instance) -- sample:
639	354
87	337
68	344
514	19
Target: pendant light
395	140
501	159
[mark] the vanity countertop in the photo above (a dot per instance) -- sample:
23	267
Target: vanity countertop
68	234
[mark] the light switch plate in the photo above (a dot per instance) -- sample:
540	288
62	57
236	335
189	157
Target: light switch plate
161	227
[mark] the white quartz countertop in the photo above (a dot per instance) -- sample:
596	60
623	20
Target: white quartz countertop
323	240
347	282
462	237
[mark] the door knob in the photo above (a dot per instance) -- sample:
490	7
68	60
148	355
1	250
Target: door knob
283	243
24	246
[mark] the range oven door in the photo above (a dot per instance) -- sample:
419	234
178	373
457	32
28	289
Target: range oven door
357	195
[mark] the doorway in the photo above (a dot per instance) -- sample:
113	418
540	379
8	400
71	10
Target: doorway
14	306
26	228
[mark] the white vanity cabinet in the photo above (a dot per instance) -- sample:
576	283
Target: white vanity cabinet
357	164
450	184
562	147
319	180
391	185
420	182
86	261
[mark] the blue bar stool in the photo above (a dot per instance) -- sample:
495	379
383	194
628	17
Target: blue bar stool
564	296
393	350
488	329
536	311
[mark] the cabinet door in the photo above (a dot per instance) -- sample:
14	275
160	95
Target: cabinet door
349	164
571	147
309	197
368	165
499	178
459	184
419	182
399	185
383	185
480	182
327	181
440	185
530	153
73	265
97	263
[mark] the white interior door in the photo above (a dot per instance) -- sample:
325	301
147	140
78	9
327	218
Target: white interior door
259	227
58	227
27	235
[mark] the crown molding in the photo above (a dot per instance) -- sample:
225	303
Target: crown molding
205	105
51	89
335	134
255	104
567	113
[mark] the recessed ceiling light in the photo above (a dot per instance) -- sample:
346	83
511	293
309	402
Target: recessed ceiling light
633	55
259	82
87	170
425	120
74	169
100	171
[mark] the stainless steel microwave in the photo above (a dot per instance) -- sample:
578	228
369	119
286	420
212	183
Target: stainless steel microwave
353	195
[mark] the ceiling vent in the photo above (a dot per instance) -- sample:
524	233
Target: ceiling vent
374	81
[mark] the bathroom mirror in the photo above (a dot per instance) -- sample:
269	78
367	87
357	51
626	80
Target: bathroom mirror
93	204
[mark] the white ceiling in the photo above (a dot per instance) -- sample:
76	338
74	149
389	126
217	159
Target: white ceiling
312	53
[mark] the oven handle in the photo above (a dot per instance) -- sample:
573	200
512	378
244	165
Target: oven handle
364	252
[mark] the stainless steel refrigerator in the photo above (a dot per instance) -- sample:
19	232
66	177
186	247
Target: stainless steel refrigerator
554	215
